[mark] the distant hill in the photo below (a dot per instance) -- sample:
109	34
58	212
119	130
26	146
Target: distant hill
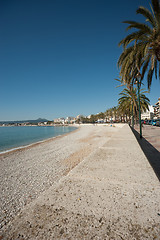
24	121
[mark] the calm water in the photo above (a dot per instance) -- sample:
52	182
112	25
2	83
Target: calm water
14	137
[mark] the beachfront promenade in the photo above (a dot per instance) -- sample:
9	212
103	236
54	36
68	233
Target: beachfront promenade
151	134
113	193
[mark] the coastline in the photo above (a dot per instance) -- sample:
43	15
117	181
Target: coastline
23	147
76	126
95	183
26	173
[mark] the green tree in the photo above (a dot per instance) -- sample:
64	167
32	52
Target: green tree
93	118
141	54
129	98
100	115
111	113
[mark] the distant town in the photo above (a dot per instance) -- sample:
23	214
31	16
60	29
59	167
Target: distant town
111	115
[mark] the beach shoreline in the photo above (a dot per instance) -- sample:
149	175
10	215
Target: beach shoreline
76	126
100	186
27	172
23	147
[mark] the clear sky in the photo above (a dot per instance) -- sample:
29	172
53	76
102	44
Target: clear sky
58	58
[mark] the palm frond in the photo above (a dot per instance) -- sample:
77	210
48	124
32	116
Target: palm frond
155	67
125	56
141	53
156	8
121	81
149	77
140	26
147	14
152	62
145	67
130	38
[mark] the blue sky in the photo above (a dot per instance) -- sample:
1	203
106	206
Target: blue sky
58	58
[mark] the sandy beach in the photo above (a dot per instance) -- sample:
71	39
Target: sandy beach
94	183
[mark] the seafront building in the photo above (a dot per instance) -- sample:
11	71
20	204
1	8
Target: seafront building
80	116
70	120
101	120
148	114
152	113
59	120
157	109
67	120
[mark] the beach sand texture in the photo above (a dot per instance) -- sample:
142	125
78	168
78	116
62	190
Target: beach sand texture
94	183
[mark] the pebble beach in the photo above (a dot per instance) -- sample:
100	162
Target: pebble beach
93	183
26	173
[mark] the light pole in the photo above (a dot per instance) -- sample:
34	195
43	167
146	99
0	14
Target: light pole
139	106
132	116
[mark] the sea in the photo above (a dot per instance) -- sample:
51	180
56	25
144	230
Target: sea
14	137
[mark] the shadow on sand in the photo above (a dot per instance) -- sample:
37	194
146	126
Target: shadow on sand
152	154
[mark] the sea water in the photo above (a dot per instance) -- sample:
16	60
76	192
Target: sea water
16	137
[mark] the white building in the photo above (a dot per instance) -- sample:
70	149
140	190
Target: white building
149	114
80	116
70	120
157	109
101	120
59	120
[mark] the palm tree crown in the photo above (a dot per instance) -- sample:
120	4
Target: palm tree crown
129	99
141	53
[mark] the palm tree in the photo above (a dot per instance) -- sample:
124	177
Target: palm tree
125	102
129	97
121	108
141	53
100	115
109	114
130	64
114	109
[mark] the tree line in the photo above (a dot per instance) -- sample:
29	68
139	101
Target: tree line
139	60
